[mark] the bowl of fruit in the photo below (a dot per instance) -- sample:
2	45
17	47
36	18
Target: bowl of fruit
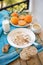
21	20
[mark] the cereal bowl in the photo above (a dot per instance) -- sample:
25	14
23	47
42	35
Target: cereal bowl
24	37
36	28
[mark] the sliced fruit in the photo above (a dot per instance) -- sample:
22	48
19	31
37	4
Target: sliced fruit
21	22
21	17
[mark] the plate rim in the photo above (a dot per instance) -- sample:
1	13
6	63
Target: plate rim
20	26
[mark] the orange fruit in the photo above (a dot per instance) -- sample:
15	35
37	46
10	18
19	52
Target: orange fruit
21	22
14	20
14	14
28	18
21	17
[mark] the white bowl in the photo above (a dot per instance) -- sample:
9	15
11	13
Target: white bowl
26	31
35	30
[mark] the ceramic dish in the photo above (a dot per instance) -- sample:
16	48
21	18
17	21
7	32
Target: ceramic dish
36	28
12	34
22	13
20	26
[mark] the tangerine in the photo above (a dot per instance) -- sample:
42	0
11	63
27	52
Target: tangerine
21	22
14	14
22	17
14	20
28	18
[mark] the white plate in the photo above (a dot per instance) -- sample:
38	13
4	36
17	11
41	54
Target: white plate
20	26
24	25
26	31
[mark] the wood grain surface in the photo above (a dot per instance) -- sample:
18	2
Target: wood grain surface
36	60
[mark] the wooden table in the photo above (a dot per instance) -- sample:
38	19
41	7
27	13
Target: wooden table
36	60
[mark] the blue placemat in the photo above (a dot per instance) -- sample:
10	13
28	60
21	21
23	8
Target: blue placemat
5	58
12	54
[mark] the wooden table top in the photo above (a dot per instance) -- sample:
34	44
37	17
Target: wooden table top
36	60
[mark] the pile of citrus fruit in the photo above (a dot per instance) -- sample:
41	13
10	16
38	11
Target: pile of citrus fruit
20	20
